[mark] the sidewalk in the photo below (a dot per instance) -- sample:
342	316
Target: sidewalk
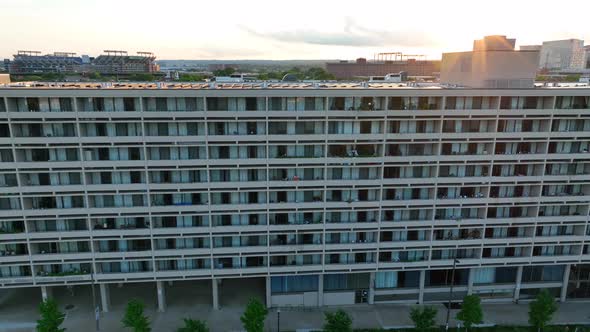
295	319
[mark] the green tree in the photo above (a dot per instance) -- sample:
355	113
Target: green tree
471	312
572	78
190	78
541	310
94	76
51	317
142	77
224	72
338	321
192	325
263	76
134	317
423	318
317	73
254	316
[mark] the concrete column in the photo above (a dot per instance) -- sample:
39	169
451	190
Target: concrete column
105	297
215	294
470	282
320	290
268	293
161	290
45	293
371	294
421	287
566	278
518	282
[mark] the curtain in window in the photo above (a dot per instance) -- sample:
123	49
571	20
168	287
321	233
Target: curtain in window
484	275
386	279
119	105
261	103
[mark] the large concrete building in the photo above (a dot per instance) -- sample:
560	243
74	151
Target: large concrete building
112	62
363	68
324	193
562	55
493	63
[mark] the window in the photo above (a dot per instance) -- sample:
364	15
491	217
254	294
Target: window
294	284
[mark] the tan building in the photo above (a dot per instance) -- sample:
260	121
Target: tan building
4	78
492	64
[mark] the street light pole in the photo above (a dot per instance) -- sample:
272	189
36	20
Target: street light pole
278	320
94	305
455	261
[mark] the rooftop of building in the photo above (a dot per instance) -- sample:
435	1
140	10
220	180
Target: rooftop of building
254	85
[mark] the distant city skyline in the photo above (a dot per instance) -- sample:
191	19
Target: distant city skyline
178	29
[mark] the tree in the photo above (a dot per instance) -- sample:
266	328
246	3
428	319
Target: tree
190	78
338	321
254	316
94	75
541	310
142	77
192	325
423	318
471	312
51	317
134	317
224	72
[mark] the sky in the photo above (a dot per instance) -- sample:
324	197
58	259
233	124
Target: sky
281	30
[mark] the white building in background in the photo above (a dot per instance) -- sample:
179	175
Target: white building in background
562	55
332	193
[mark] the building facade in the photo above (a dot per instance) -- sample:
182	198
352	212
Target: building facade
562	55
493	63
112	62
332	193
363	68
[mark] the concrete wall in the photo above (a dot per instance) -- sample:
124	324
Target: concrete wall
307	299
338	298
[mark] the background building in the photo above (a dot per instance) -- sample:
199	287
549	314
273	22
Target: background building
33	62
562	55
530	48
493	63
112	62
382	66
119	62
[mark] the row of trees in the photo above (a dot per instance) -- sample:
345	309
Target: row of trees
313	73
541	311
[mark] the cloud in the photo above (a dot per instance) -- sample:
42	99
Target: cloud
352	34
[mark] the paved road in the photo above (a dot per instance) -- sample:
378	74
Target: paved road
227	319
